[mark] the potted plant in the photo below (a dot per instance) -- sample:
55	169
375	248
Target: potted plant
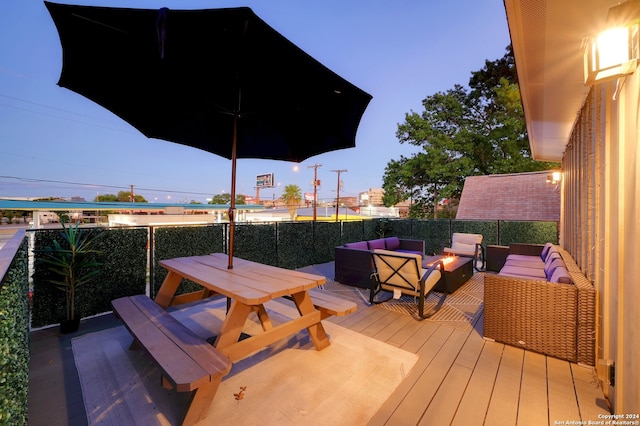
73	264
383	228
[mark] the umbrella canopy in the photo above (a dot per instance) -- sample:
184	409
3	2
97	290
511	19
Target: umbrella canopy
220	80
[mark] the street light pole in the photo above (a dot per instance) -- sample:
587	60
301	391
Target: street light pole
338	191
316	184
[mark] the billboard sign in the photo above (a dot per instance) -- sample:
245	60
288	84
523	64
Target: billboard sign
264	181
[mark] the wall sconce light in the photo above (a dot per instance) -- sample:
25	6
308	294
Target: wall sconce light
614	52
554	178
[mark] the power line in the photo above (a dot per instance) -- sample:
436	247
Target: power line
87	123
94	185
95	121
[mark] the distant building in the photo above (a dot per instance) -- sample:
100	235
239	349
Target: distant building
349	201
403	208
379	211
373	197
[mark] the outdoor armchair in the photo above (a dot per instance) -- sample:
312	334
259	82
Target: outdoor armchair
467	245
403	273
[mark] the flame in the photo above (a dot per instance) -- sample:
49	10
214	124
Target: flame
444	259
448	259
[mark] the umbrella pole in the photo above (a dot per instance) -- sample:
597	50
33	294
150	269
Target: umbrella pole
232	209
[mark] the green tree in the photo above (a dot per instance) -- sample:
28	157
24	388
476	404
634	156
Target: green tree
122	197
462	132
125	196
106	198
292	197
225	198
63	217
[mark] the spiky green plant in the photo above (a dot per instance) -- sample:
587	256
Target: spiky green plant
72	262
383	228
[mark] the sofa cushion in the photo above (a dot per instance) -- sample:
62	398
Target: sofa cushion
552	256
526	258
395	253
561	275
360	245
410	252
545	251
517	271
533	262
376	244
392	243
552	250
550	267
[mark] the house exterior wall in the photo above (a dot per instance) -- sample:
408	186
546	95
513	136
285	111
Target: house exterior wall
600	226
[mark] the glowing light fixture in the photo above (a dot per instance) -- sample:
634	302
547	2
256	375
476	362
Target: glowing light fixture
614	53
554	178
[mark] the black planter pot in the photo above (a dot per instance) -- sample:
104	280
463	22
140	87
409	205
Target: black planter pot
69	326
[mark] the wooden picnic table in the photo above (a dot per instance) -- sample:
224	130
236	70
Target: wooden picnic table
248	286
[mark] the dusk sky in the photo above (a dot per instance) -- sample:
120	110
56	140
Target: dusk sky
398	51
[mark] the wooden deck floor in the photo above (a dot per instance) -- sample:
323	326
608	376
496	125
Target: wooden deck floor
459	379
462	379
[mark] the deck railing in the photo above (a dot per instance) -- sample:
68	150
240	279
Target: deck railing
14	331
130	255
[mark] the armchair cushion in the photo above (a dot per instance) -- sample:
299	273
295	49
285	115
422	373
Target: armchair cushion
399	269
469	239
468	245
403	272
461	248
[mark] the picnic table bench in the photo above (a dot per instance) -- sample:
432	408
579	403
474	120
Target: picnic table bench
188	362
329	305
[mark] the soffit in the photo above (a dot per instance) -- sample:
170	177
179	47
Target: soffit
547	39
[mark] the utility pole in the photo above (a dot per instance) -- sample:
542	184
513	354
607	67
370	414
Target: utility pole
338	191
132	197
316	184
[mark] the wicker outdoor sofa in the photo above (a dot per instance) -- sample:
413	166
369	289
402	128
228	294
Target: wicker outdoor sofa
553	318
354	263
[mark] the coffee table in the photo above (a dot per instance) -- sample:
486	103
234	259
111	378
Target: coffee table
456	272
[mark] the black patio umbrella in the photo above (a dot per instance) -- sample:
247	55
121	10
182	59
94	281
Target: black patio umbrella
220	80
